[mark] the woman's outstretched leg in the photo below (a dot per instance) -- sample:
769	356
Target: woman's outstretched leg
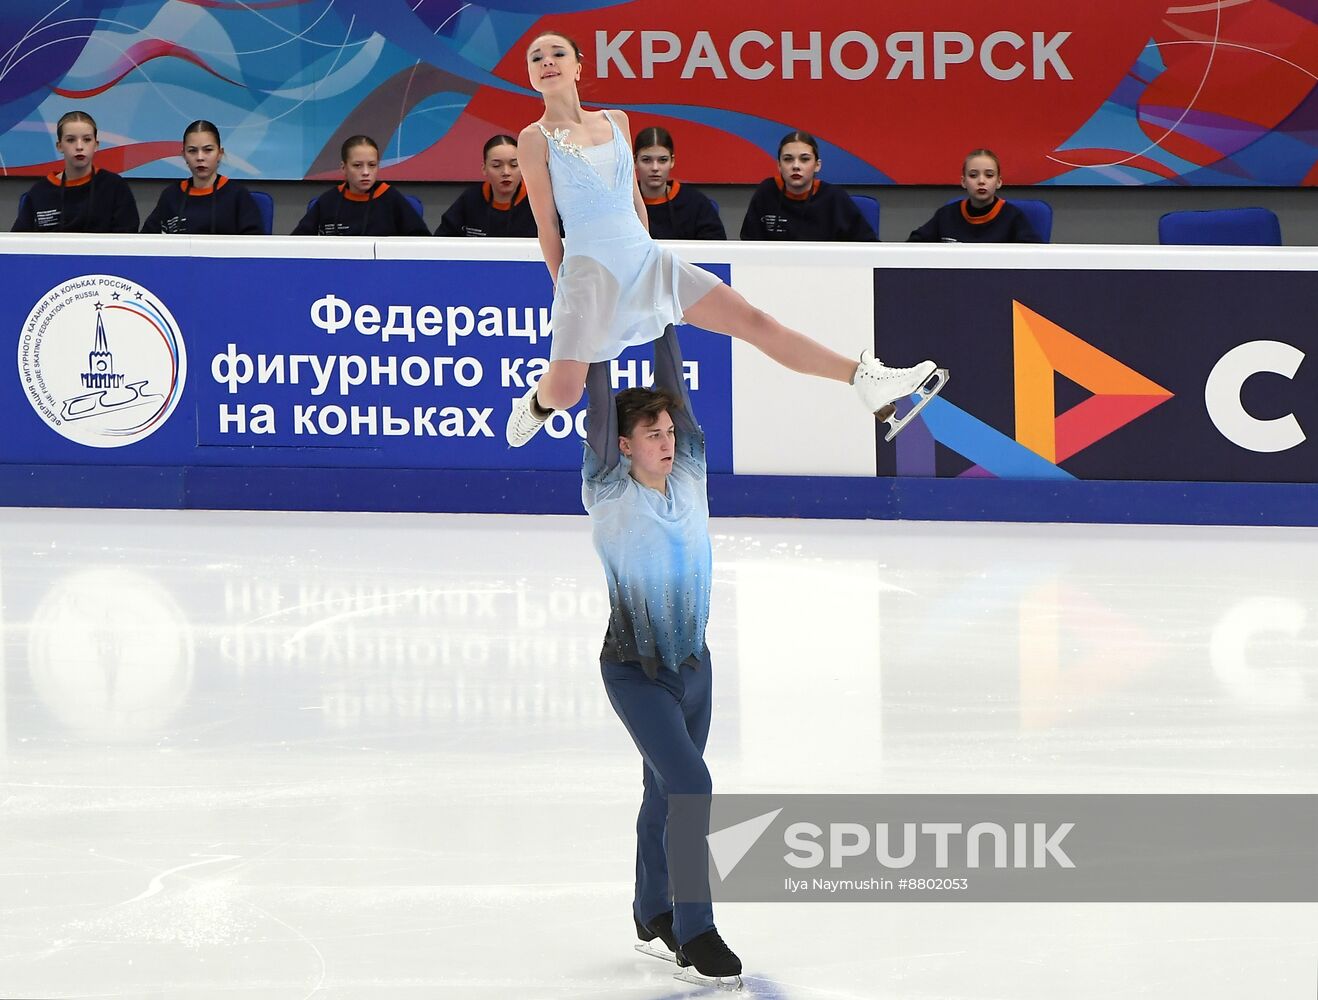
725	310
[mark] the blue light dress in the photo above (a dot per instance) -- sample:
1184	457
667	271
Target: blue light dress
616	287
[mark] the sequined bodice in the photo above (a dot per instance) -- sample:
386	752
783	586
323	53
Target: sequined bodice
580	194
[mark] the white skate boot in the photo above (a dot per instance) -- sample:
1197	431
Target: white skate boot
880	388
522	422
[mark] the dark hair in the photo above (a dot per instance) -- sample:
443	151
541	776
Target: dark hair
497	140
357	140
572	42
653	136
799	136
202	125
642	406
75	116
981	152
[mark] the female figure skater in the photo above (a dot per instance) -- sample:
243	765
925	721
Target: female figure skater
615	287
980	217
794	204
643	485
496	207
81	198
363	205
676	211
207	202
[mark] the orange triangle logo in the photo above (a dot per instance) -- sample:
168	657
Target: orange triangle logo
1120	394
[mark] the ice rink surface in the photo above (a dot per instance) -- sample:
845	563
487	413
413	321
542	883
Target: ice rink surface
355	756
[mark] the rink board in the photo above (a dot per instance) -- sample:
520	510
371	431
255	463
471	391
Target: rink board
1140	384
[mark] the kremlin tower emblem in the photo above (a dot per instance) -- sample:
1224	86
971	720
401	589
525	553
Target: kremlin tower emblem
101	363
100	375
126	386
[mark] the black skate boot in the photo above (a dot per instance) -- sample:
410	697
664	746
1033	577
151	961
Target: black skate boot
660	927
712	959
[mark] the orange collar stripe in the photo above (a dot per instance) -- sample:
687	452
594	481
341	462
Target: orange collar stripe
192	192
487	192
675	187
55	179
979	220
814	189
374	194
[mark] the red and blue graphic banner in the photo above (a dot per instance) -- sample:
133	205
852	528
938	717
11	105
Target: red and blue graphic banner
1169	375
1145	92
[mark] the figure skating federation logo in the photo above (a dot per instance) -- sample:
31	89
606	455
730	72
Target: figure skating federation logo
102	361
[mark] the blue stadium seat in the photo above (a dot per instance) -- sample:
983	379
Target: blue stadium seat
1038	213
1223	227
266	206
869	207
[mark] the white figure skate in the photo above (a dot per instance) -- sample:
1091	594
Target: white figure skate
880	388
522	422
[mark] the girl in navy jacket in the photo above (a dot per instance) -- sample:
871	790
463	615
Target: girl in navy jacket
497	206
363	205
81	198
796	205
981	216
676	211
207	202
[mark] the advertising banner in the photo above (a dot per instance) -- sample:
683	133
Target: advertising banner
1145	92
1163	375
279	362
1107	384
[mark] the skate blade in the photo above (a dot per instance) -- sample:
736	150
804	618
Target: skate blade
727	984
656	951
933	385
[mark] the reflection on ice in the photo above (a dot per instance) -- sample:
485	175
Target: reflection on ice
110	654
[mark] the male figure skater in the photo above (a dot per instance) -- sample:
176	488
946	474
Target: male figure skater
643	485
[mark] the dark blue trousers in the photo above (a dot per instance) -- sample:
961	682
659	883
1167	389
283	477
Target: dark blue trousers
668	719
